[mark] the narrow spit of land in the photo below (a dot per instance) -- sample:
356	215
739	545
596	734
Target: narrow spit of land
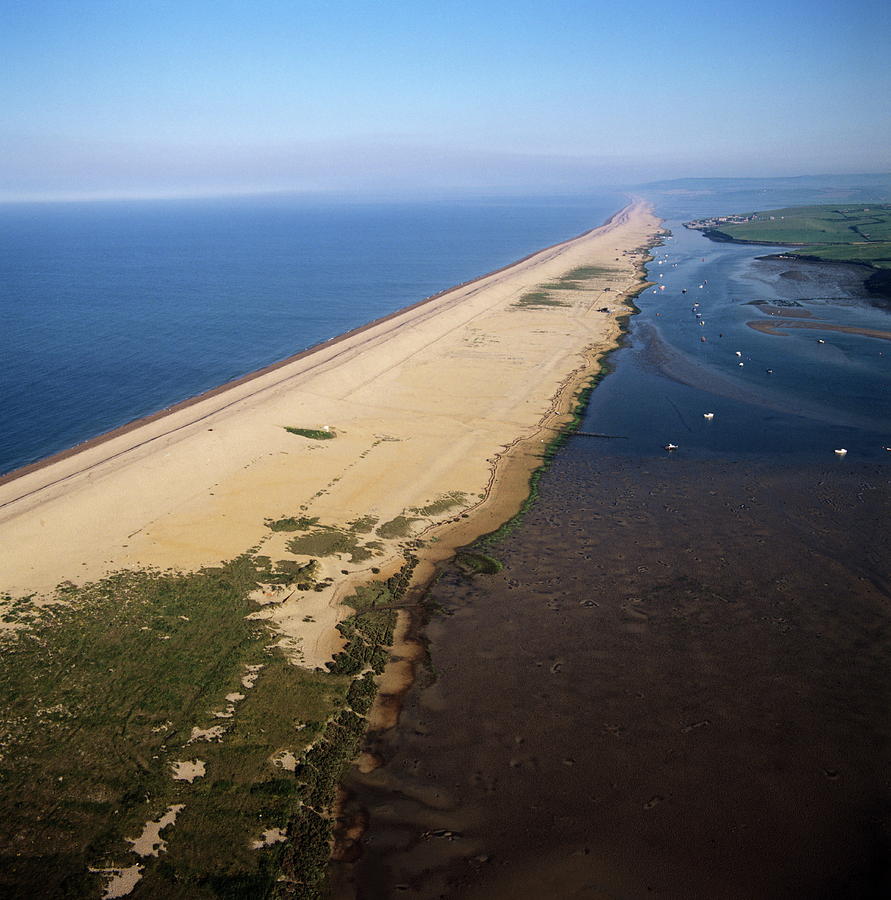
195	608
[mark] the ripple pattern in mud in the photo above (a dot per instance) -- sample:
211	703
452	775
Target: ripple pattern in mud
677	686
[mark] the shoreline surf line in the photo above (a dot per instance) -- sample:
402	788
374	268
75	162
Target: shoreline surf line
242	380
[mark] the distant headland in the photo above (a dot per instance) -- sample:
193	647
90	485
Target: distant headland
855	234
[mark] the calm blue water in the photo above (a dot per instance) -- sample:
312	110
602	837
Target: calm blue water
817	398
111	311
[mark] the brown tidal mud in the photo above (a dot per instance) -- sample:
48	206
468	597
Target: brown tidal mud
679	686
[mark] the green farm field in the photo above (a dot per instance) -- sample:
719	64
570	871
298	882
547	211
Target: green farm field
877	255
858	233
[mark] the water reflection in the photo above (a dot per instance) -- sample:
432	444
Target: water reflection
791	395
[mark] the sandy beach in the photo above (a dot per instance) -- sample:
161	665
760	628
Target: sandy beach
439	414
778	326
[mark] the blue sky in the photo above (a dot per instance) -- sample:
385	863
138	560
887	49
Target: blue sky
140	97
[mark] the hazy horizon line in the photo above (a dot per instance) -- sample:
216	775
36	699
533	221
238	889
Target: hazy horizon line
370	193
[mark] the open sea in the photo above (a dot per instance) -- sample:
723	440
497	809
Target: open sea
110	311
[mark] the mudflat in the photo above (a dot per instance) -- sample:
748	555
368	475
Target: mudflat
677	686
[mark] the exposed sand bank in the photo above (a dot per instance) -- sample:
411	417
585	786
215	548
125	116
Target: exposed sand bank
777	326
449	397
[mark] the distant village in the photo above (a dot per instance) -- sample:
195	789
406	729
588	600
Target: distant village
715	221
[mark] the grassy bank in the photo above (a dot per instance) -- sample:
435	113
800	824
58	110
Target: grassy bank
859	234
152	691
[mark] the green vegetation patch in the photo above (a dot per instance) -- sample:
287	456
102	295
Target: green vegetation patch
363	525
574	280
539	298
289	571
474	562
370	630
99	696
316	434
877	255
209	852
587	272
292	523
859	234
325	540
441	505
304	859
401	526
827	224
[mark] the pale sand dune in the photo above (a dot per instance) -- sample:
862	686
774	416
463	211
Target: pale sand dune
455	394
